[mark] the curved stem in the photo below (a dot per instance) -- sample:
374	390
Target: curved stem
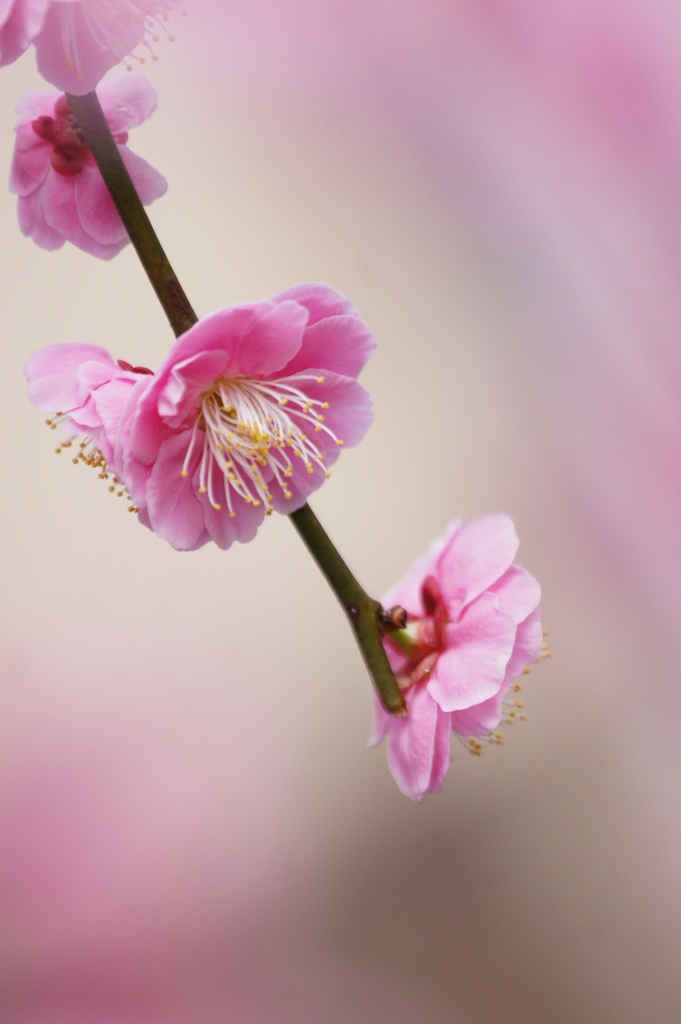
362	611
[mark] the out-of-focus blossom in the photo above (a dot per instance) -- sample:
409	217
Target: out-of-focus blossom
20	23
473	627
246	416
62	195
78	41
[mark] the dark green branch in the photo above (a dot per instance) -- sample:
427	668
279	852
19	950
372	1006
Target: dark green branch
363	612
92	122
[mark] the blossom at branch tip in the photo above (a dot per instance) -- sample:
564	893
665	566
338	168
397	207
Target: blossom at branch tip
62	195
473	627
78	41
245	416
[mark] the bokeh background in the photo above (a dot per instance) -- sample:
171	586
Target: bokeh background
192	828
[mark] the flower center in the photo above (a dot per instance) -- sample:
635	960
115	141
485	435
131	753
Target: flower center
69	148
250	429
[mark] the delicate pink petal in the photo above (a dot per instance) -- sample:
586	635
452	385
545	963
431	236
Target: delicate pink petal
274	335
178	401
407	592
473	665
480	719
418	746
30	162
528	641
319	300
35	104
109	402
56	374
474	559
94	208
79	70
175	512
20	22
32	223
348	416
127	100
340	343
149	183
517	592
221	528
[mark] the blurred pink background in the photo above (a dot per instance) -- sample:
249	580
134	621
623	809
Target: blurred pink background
191	826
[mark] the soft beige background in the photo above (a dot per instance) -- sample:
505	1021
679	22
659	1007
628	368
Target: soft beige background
191	826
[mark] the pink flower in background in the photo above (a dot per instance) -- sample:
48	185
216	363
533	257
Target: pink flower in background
246	416
62	196
20	23
473	627
78	41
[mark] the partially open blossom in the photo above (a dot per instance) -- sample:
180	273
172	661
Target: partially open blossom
473	627
62	195
78	41
86	393
246	415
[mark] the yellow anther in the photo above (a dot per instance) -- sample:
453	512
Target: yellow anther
202	490
320	380
217	507
183	472
339	442
232	514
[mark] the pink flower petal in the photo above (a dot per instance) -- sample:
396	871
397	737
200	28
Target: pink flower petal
20	23
407	592
527	645
480	719
174	510
82	27
32	223
94	208
518	593
30	162
340	343
56	375
320	301
418	746
473	665
475	558
128	100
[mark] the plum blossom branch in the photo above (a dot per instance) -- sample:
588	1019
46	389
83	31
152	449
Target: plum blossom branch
365	615
89	114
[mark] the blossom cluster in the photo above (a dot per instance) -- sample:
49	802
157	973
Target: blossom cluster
246	416
473	627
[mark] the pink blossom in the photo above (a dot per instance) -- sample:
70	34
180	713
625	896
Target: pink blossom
473	627
87	392
78	41
62	196
246	416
